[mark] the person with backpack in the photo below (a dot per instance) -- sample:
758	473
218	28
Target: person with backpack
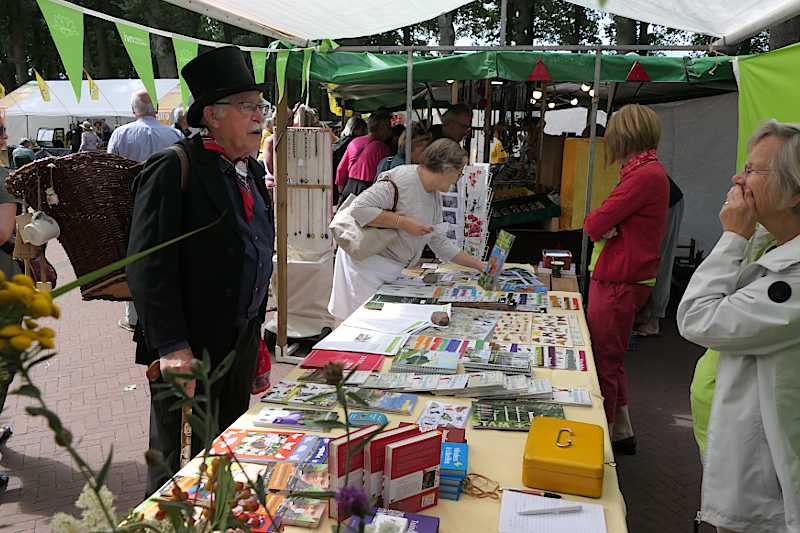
208	293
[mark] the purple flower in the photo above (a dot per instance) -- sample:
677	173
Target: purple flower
354	501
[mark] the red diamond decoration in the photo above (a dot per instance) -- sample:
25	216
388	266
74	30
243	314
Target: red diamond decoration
540	72
637	73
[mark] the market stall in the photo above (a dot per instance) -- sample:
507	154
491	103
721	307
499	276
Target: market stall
495	448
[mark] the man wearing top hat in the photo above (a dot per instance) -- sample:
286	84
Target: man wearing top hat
208	293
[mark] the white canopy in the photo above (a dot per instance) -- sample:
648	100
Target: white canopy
732	20
25	111
305	20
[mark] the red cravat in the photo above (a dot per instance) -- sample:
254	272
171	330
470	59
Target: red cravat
242	180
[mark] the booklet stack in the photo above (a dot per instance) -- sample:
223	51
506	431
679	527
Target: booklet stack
454	469
507	362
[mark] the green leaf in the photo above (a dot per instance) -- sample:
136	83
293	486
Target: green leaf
28	390
223	367
116	265
356	398
103	474
41	360
311	494
52	419
324	423
198	426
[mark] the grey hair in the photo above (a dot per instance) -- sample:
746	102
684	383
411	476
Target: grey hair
178	114
786	163
141	104
443	155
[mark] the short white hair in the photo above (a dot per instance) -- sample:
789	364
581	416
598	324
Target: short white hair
786	163
178	114
141	104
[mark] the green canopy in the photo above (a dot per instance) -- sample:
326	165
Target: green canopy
388	70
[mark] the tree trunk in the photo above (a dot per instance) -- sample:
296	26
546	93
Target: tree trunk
625	30
579	19
519	26
407	36
165	56
447	31
18	14
784	34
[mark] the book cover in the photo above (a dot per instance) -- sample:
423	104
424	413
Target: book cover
511	415
513	327
429	355
411	472
378	300
317	375
311	449
341	472
417	523
551	330
572	396
448	434
389	402
369	362
256	446
455	459
439	414
466	324
270	417
297	393
497	259
375	455
347	339
309	477
302	512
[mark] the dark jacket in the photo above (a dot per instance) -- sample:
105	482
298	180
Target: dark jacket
187	291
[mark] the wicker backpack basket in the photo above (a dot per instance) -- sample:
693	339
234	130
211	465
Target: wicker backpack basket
94	211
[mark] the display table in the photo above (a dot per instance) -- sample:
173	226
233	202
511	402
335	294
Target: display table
498	454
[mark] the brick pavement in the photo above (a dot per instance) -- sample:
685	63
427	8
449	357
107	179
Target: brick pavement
86	384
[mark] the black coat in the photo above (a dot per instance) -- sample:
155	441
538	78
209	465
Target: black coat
187	291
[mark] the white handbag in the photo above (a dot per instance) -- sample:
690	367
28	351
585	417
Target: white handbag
361	242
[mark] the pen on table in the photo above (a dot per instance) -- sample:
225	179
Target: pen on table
552	510
534	492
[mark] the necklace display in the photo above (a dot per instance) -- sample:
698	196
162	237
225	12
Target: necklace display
309	178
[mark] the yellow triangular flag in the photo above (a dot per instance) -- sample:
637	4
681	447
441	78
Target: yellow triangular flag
94	90
43	88
2	91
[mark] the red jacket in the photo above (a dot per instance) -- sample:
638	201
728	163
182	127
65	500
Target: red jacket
637	207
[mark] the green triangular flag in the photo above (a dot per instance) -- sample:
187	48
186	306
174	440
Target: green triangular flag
137	44
307	53
185	51
280	72
259	58
66	27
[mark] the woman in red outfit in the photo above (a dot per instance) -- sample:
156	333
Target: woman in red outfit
626	230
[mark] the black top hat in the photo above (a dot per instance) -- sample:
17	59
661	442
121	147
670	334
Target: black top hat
215	75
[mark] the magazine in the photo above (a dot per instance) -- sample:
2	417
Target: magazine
396	319
497	259
349	339
465	323
511	415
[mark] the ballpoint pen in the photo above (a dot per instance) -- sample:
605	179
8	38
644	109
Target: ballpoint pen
534	492
552	510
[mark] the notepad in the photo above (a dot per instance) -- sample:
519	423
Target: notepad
589	520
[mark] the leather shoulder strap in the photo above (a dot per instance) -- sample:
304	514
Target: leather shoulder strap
183	157
396	193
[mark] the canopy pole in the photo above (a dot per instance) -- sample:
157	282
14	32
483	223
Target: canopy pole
590	170
409	103
503	21
487	121
283	236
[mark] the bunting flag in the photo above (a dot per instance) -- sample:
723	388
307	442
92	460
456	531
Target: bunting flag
307	54
66	27
137	44
94	90
637	73
259	59
185	51
280	72
43	88
540	72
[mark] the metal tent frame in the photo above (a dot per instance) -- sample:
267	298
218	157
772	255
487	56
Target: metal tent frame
282	351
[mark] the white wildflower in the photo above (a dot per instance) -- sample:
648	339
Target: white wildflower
93	515
64	523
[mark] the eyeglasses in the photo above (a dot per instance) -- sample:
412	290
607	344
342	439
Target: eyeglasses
748	169
248	107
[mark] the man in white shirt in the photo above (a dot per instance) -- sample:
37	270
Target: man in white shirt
139	140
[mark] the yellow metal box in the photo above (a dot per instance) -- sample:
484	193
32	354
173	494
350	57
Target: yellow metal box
564	456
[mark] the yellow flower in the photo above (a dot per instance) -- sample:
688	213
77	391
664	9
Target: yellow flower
40	306
31	324
22	279
6	296
10	330
20	292
21	343
56	311
47	343
46	333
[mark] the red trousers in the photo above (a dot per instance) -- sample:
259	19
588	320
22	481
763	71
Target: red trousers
612	310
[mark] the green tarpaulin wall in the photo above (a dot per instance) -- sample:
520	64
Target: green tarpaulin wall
761	78
344	68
